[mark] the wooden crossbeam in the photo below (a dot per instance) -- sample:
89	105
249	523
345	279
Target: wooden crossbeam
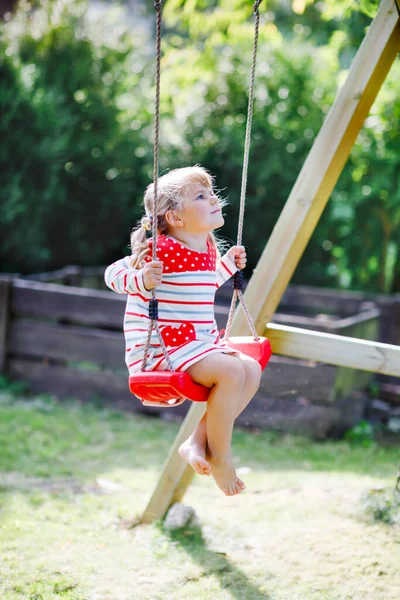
301	212
334	349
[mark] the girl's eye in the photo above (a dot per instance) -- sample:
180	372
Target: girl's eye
200	197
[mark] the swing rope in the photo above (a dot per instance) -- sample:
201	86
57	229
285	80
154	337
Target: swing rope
238	277
153	304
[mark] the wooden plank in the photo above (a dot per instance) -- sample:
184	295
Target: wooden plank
289	378
61	342
5	287
184	481
352	379
390	392
340	302
334	349
65	272
307	298
307	201
66	382
75	305
58	276
297	415
322	168
390	322
356	321
327	324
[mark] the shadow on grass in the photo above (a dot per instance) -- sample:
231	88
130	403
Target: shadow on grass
215	564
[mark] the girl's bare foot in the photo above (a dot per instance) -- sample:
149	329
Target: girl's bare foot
196	457
225	476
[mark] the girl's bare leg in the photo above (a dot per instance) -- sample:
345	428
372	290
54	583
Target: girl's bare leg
194	449
251	384
226	375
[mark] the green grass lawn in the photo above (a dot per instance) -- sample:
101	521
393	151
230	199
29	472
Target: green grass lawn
74	477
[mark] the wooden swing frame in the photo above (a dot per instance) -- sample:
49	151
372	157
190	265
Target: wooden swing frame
289	238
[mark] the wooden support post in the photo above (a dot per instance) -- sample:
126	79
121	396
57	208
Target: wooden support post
176	476
5	289
334	349
302	209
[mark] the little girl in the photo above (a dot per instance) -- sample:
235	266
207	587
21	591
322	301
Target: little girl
187	273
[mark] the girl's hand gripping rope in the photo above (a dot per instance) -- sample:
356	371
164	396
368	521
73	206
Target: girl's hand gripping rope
238	255
152	274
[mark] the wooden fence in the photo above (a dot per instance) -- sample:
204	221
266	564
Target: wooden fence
298	307
68	341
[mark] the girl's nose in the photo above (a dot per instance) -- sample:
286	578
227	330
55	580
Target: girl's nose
213	198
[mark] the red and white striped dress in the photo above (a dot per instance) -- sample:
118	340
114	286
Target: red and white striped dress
185	305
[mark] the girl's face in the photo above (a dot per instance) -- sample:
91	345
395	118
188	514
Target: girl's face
201	212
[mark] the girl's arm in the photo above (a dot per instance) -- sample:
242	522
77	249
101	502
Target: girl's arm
225	269
123	279
232	261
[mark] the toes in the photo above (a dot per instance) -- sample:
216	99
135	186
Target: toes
235	489
204	467
203	463
201	466
232	490
197	468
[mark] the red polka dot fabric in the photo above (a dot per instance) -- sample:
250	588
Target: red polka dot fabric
177	258
185	299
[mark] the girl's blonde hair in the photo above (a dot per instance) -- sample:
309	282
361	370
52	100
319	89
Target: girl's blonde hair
173	190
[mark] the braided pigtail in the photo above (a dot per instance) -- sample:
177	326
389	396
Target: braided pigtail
139	244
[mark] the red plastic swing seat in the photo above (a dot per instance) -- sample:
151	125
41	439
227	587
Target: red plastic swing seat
159	388
259	349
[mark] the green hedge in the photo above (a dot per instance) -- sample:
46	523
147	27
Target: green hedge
73	120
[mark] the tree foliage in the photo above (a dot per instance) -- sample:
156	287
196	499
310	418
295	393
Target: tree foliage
71	168
77	94
299	69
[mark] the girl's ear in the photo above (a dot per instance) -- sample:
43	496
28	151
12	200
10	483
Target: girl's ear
173	218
